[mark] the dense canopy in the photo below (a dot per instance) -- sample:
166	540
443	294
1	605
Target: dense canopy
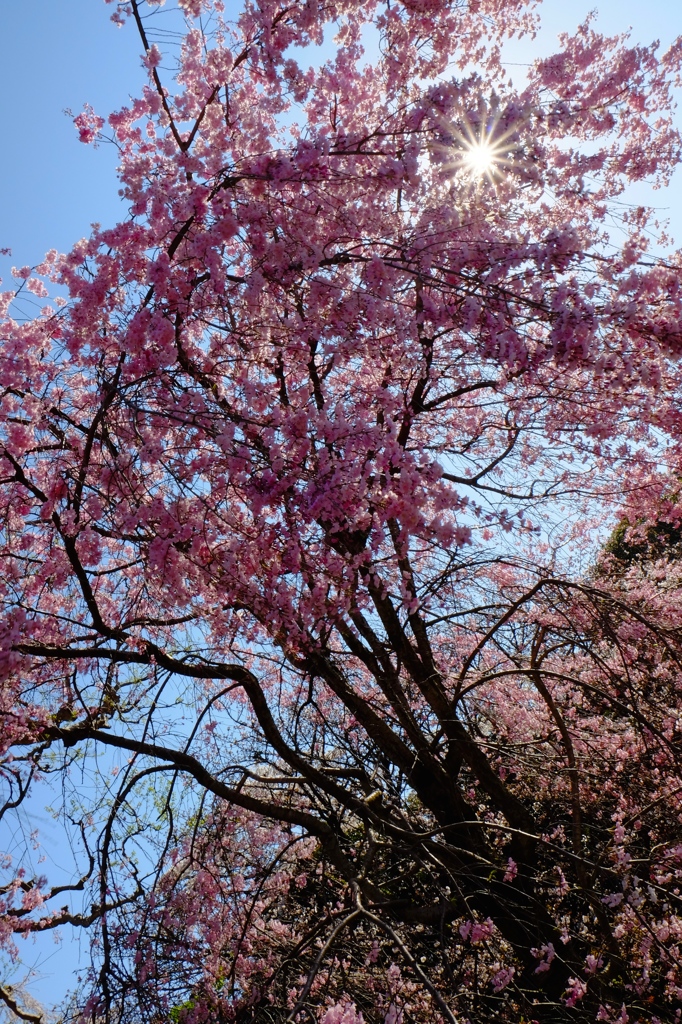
310	631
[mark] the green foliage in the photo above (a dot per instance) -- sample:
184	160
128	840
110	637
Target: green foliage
630	544
177	1012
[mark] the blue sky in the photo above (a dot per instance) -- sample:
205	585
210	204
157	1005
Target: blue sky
58	54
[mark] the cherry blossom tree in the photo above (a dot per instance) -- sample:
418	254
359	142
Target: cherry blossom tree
306	469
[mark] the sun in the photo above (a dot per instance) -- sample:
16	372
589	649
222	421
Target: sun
482	148
480	158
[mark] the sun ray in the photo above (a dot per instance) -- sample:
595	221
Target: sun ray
482	148
480	158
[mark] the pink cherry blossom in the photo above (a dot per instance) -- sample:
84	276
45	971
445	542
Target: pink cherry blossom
340	530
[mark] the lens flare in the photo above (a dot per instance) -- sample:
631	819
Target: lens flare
483	148
480	158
